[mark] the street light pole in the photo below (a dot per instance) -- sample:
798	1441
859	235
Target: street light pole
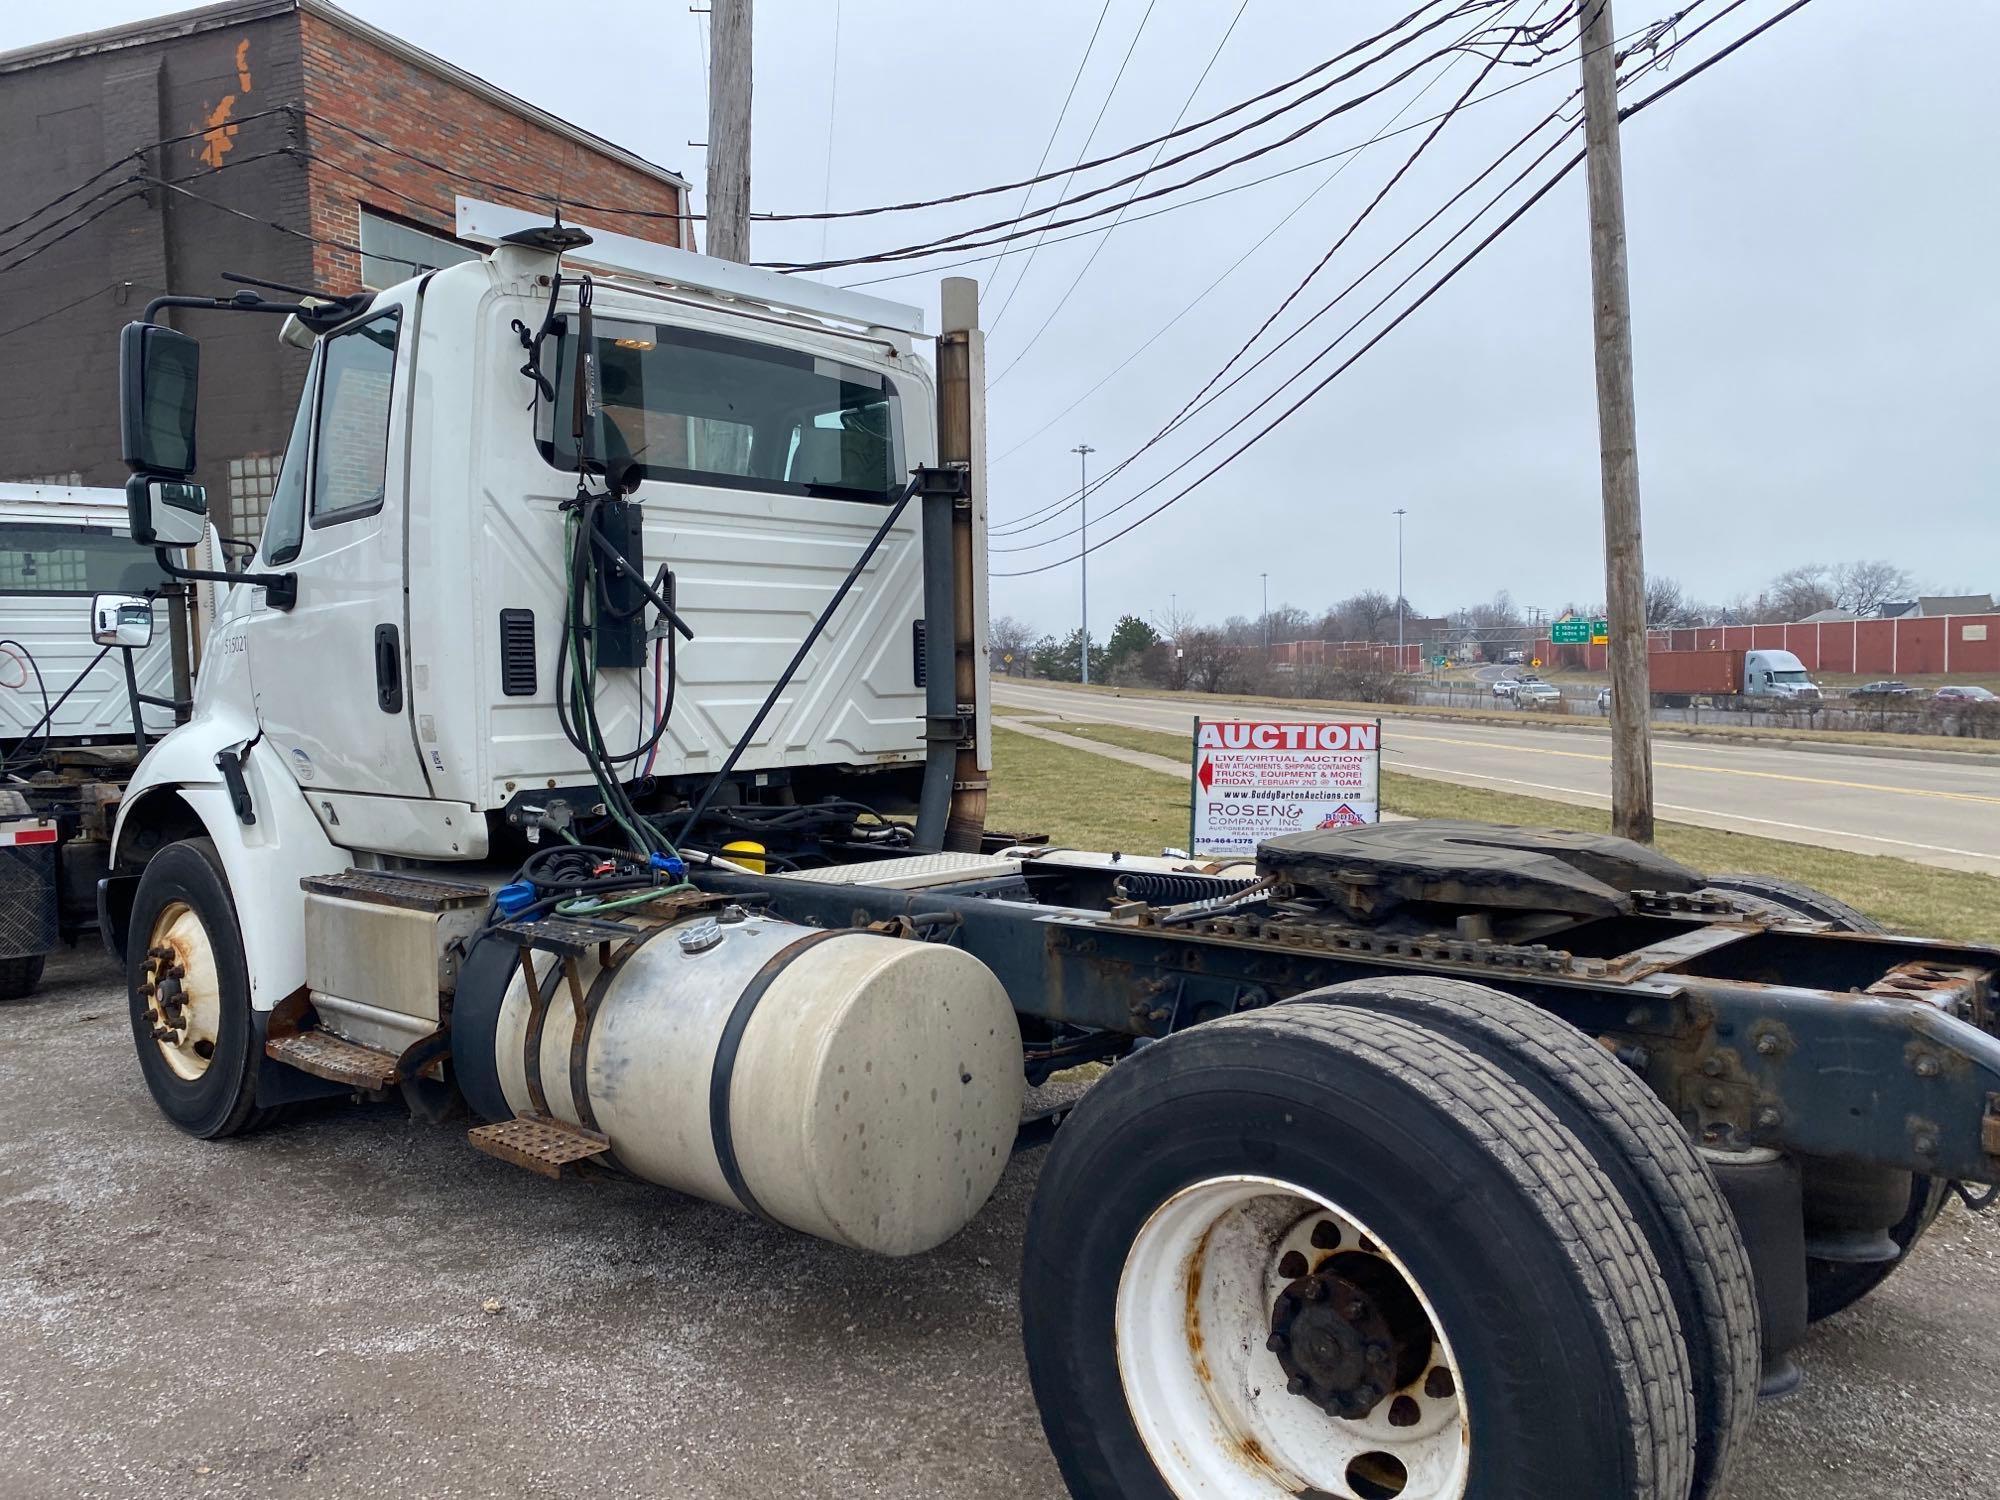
1400	513
1267	612
1083	452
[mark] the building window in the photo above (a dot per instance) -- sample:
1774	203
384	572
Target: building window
251	481
392	252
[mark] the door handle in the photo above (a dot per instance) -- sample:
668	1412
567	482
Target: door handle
388	670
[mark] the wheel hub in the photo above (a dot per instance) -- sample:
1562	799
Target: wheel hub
1348	1333
181	991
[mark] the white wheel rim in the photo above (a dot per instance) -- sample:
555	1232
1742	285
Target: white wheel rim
183	995
1210	1399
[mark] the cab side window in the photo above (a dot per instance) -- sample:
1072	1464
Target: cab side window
285	520
351	445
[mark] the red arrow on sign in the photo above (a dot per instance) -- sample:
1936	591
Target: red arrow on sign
1206	775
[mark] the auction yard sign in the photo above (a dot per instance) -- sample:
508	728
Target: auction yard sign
1254	780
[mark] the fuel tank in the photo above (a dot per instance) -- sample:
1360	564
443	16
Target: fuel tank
860	1088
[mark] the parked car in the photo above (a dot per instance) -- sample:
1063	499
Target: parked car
1503	687
1883	690
1966	693
1604	698
1537	695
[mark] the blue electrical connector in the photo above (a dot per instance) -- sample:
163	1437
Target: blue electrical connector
672	864
511	900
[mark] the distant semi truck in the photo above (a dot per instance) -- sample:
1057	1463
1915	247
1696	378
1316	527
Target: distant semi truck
1731	679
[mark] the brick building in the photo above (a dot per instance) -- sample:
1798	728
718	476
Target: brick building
282	139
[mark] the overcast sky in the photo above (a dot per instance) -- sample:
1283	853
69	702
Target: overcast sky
1813	227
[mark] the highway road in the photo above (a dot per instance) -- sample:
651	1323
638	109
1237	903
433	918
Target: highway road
1939	812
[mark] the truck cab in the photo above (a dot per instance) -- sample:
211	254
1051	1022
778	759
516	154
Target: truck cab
394	676
1780	675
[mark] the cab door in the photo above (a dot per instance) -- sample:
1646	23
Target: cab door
330	674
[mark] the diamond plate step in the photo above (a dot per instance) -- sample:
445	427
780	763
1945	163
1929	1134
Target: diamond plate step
539	1143
325	1055
389	888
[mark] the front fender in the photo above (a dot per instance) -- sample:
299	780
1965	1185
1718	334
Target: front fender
264	860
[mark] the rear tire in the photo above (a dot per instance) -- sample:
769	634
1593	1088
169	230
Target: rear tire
19	976
1800	899
204	1075
1645	1153
1541	1289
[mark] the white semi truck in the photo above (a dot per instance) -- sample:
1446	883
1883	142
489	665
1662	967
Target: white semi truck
599	739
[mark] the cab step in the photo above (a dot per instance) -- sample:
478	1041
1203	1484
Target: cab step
325	1055
539	1143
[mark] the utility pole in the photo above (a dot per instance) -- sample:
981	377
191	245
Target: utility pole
1617	435
1267	612
1400	513
729	130
1083	452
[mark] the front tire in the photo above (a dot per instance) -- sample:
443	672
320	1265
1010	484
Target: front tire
1532	1340
189	992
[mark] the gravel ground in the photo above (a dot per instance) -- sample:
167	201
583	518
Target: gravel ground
302	1313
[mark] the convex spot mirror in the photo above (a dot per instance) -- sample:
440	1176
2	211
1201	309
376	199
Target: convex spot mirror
124	620
166	512
159	370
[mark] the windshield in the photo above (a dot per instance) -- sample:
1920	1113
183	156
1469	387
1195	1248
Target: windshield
703	408
74	560
1789	677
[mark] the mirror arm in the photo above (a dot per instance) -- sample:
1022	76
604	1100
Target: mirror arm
241	302
281	590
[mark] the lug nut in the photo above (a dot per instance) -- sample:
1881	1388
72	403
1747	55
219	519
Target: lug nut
1366	1395
1378	1354
1315	1289
1355	1309
1296	1385
1275	1343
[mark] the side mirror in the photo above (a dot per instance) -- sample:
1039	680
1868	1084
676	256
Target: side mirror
158	372
166	512
124	620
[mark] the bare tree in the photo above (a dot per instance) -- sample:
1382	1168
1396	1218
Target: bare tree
1210	659
1667	604
1861	588
1798	592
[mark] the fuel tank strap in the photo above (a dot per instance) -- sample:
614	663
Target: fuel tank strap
538	995
579	1037
725	1063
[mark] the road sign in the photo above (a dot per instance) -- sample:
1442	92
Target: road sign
1579	632
1536	662
1255	780
1439	661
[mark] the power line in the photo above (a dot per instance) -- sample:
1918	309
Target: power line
964	239
1198	404
54	312
1110	94
1098	248
131	192
1040	517
1193	409
1347	159
1028	189
1436	286
1338	339
136	156
832	108
1461	7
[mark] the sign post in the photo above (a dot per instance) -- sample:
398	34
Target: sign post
1256	779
